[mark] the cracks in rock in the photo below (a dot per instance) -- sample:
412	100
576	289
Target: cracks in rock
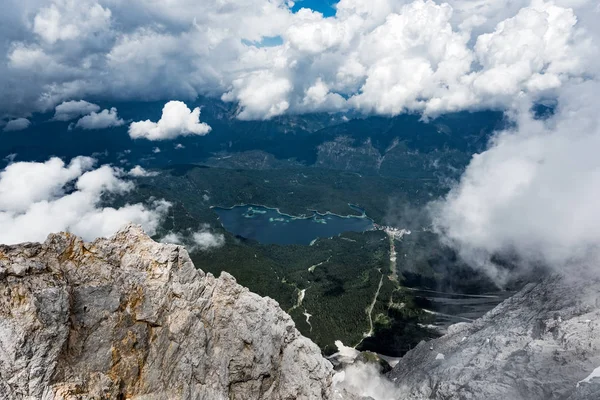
119	339
149	323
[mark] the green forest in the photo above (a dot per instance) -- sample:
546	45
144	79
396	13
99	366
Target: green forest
340	275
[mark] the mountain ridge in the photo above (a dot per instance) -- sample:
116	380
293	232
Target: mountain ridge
126	317
538	344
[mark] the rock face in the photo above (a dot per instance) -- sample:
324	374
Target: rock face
539	344
126	317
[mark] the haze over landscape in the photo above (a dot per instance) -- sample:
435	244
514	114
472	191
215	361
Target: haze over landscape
399	176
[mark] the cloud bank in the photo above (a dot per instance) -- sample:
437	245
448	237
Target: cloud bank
384	57
40	198
532	197
176	120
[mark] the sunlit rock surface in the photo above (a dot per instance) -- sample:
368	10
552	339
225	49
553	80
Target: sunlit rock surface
126	317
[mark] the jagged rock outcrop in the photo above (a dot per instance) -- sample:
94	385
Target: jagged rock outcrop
537	345
126	317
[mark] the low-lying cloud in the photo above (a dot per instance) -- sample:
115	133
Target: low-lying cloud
532	197
206	240
40	198
364	381
176	120
140	172
203	239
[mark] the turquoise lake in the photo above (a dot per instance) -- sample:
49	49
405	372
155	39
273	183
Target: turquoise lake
269	226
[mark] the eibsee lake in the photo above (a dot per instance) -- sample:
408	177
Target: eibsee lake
269	226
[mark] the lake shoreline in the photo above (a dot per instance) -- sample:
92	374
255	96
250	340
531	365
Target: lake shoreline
268	225
302	216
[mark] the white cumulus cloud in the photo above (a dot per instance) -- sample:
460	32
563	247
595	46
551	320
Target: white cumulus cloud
384	57
262	94
70	19
40	198
176	120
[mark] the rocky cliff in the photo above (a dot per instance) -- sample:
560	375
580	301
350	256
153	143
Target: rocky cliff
543	343
126	317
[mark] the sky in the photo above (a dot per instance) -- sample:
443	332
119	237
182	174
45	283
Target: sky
325	7
532	194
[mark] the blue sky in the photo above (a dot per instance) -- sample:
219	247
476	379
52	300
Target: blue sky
326	7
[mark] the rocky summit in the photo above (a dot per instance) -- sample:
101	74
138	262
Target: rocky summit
126	317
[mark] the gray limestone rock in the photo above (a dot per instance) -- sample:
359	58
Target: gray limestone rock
126	317
537	345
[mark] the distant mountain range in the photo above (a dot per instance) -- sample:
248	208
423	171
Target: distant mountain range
297	137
